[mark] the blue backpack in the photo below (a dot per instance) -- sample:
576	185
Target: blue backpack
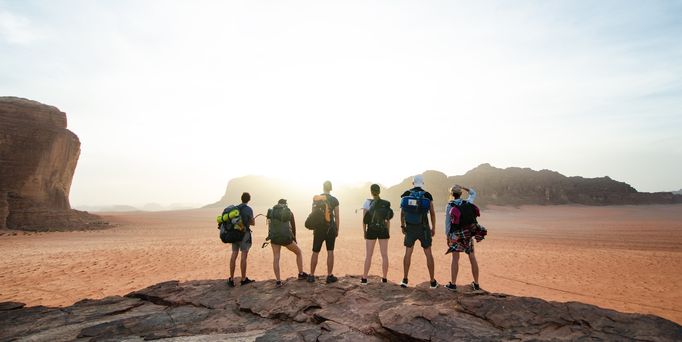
415	206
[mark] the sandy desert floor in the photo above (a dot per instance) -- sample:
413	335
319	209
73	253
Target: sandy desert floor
628	258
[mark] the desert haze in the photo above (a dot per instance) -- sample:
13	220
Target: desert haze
627	258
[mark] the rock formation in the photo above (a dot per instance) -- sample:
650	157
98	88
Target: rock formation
208	310
38	157
495	186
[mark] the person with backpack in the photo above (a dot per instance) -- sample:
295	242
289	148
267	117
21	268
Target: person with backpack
324	221
416	207
460	224
376	224
282	232
247	220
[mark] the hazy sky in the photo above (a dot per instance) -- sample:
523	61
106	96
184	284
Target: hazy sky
171	99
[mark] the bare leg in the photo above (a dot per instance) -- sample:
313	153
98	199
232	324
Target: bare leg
407	259
383	246
313	262
330	262
299	256
245	254
429	262
233	263
454	267
474	266
275	259
369	250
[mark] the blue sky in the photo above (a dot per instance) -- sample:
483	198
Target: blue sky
159	92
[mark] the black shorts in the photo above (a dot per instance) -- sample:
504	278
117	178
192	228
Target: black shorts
414	233
376	233
328	236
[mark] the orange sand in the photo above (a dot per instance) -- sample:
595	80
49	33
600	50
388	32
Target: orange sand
628	258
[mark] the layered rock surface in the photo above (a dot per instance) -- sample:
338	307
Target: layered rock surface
208	310
38	157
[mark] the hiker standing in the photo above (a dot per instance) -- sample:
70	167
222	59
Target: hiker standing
244	245
376	225
282	232
459	225
415	205
326	233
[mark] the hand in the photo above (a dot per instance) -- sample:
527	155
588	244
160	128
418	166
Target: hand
403	229
433	232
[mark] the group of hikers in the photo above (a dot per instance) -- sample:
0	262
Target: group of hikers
417	222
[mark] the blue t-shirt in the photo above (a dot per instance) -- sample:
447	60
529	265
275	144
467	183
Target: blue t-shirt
247	215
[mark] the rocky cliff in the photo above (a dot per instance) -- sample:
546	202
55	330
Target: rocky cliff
495	186
208	310
520	186
38	157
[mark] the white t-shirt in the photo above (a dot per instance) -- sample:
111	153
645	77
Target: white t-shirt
367	204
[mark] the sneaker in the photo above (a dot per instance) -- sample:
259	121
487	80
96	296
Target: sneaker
302	276
311	278
403	283
331	279
246	281
384	280
230	282
363	281
434	284
450	286
278	283
475	286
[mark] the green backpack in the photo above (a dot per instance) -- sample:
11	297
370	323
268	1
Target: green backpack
279	227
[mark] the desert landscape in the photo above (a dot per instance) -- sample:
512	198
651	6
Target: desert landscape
626	258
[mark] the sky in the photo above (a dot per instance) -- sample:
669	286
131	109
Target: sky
171	99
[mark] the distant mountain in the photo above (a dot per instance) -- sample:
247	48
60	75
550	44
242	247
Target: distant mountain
511	186
678	192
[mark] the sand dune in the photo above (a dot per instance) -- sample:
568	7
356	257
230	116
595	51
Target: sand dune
623	257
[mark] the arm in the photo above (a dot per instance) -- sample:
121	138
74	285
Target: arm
338	220
402	220
293	225
432	212
472	194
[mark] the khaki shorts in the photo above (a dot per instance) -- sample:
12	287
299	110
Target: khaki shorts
243	245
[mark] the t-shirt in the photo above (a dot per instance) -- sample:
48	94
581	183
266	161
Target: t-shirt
426	194
247	215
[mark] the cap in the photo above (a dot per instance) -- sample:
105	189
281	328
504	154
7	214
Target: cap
456	189
418	181
282	201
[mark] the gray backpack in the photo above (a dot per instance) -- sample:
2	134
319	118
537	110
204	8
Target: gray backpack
279	229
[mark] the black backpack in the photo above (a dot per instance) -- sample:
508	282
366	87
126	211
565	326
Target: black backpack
379	211
463	215
320	215
231	228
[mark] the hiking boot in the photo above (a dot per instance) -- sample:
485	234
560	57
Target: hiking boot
434	284
302	276
278	283
363	281
450	286
246	281
403	283
384	280
230	282
311	278
331	279
475	286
